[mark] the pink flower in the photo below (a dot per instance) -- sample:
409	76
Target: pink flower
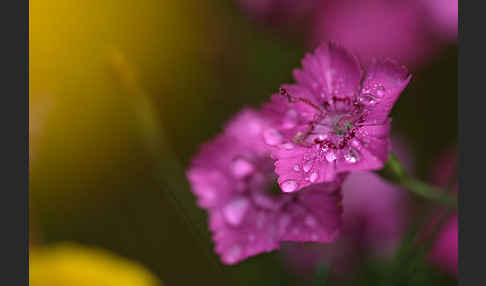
442	16
374	220
278	11
232	177
375	28
444	252
334	119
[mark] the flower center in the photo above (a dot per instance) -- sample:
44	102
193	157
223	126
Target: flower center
337	122
335	126
342	125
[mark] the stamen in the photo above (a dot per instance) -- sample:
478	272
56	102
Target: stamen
292	99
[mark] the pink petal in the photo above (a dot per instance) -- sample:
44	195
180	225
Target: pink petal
445	251
316	216
330	71
385	80
301	167
257	235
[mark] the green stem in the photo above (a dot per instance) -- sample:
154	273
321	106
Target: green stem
394	172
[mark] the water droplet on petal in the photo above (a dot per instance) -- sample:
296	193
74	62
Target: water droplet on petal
380	91
351	156
290	119
296	168
307	166
366	98
254	127
288	146
289	186
355	142
330	156
242	167
272	137
233	254
313	177
235	211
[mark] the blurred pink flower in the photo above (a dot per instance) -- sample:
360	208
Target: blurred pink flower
278	11
375	28
334	119
374	220
445	250
232	177
442	17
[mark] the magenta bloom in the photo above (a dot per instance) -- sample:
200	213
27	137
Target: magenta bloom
278	11
375	28
371	227
442	16
334	119
232	177
374	220
445	250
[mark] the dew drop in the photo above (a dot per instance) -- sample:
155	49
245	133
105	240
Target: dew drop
233	254
208	194
307	166
316	138
313	177
380	91
351	156
366	98
288	146
235	211
254	127
330	156
290	119
272	137
356	143
296	168
289	186
242	167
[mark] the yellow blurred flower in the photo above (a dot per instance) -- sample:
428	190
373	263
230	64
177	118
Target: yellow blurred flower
71	45
70	264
